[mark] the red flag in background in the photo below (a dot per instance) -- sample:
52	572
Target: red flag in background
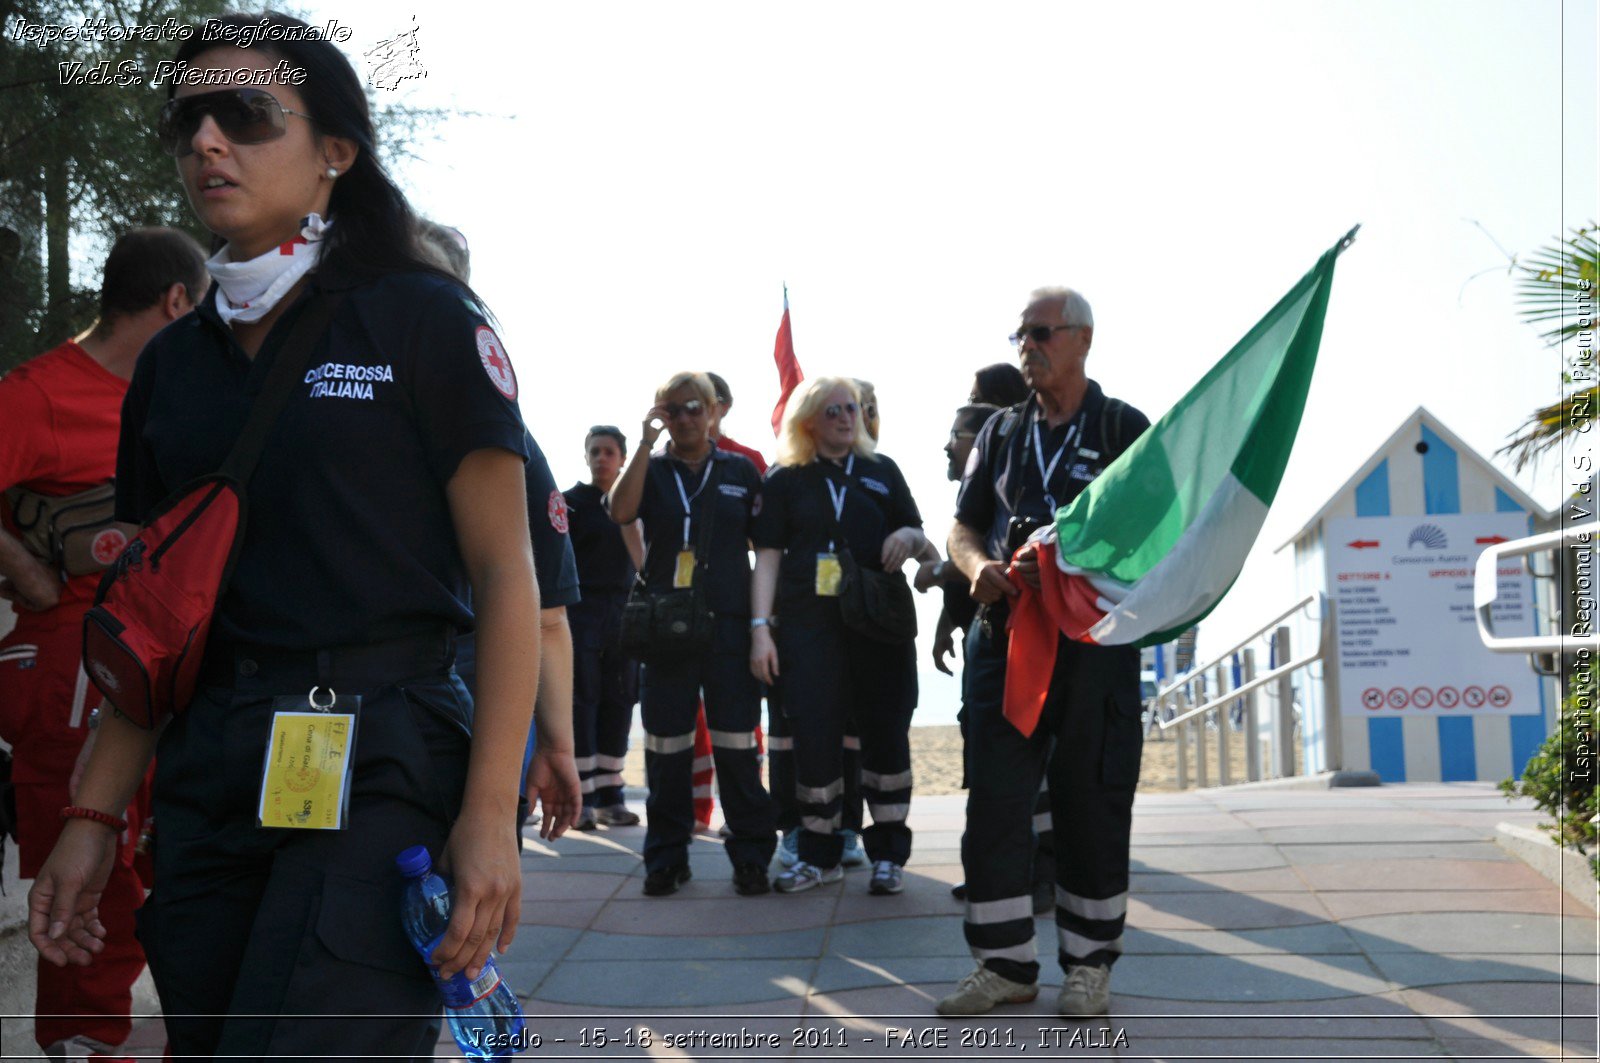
789	372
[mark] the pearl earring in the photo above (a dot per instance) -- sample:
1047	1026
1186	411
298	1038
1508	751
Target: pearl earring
332	172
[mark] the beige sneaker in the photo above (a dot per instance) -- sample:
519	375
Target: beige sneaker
981	990
1087	991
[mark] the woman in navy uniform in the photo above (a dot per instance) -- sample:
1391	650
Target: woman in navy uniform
605	680
388	497
673	492
829	492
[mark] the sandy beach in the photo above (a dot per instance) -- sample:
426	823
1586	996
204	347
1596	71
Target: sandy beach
936	761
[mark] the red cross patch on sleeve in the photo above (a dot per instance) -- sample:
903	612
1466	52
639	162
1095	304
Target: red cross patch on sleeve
495	362
557	509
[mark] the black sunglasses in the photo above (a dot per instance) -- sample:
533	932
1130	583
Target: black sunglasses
1037	333
836	410
245	116
692	408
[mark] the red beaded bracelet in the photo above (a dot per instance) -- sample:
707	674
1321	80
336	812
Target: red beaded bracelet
105	818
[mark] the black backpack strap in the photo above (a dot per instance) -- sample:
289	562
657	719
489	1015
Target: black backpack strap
288	367
1111	426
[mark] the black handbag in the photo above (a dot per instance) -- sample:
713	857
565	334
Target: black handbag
659	625
875	604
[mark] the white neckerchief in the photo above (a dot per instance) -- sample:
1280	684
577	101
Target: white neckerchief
247	290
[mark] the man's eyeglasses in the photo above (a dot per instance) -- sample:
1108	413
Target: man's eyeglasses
245	116
1037	333
870	411
835	410
692	408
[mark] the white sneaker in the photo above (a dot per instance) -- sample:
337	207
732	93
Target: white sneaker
789	848
981	990
854	854
802	876
886	878
1087	991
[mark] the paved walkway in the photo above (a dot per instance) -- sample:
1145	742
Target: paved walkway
1374	923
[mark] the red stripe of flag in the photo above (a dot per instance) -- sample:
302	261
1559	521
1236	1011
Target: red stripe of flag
789	372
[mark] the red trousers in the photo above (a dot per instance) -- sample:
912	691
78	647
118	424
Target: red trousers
44	708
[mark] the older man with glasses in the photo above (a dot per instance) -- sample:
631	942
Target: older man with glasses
1026	464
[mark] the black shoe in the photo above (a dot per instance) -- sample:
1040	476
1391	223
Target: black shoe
665	880
750	880
959	891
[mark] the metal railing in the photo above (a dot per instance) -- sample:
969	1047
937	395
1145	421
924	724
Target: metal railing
1193	705
1580	539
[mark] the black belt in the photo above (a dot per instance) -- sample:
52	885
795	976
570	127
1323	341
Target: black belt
348	667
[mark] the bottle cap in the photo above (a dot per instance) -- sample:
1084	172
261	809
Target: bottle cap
414	862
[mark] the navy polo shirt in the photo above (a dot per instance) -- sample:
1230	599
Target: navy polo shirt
549	525
604	564
797	517
1004	478
349	538
731	496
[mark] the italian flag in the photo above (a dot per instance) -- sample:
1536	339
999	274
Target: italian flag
1154	542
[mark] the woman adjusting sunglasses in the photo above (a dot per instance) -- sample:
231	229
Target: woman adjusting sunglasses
386	514
692	606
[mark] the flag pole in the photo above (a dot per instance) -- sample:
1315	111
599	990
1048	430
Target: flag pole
1349	238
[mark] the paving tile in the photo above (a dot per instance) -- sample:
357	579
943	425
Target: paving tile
1315	817
588	863
572	913
1247	978
898	937
836	973
677	983
1186	860
1346	1018
1522	1009
702	909
1242	836
924	899
784	1008
1184	823
598	945
1363	833
1310	940
1224	911
1474	1048
1351	905
1417	874
1485	932
1303	855
1267	880
570	885
1429	969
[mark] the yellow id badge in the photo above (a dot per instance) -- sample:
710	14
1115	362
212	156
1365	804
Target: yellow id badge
828	572
305	783
683	574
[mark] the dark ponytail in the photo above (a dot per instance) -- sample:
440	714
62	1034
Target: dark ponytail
376	229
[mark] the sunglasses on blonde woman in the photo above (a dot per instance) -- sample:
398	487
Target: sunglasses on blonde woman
835	410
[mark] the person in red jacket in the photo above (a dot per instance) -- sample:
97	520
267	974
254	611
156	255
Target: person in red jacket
62	411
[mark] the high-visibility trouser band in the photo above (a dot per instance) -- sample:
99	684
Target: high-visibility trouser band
891	813
583	764
1079	947
733	739
780	744
606	762
852	742
603	780
818	795
821	824
667	745
900	780
981	913
1023	953
1043	824
586	786
1089	908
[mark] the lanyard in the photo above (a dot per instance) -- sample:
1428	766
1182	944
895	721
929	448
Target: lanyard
836	492
688	498
1074	438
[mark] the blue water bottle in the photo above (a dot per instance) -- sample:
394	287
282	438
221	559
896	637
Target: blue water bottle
485	1017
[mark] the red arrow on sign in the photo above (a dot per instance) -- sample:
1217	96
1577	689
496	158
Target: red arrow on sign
1490	540
1362	544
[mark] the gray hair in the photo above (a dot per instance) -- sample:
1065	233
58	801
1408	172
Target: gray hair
1074	307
